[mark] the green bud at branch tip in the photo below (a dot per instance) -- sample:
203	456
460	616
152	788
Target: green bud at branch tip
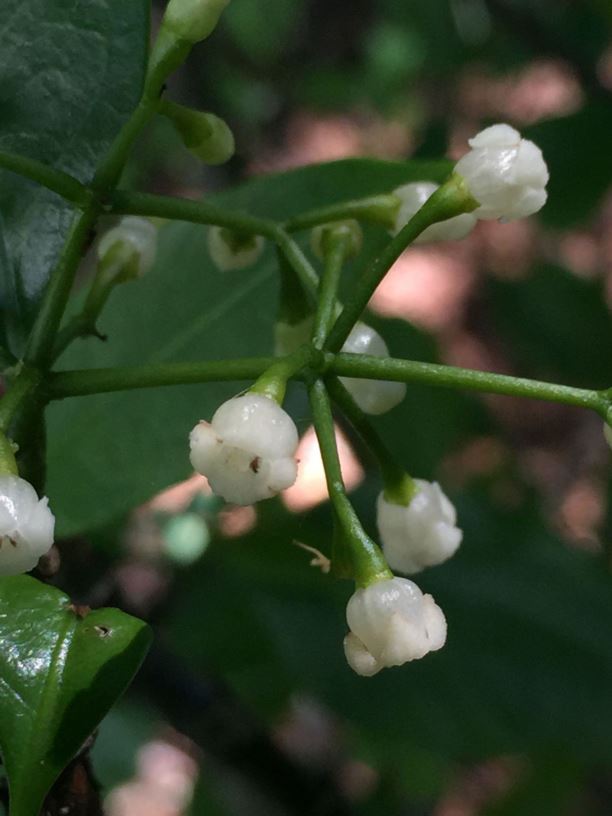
207	136
193	20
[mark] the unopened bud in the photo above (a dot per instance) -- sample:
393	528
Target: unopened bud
207	136
193	20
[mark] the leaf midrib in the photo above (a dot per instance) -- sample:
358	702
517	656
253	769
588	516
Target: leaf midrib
43	716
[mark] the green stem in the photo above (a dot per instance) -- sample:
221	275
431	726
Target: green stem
40	344
364	366
368	561
108	275
8	465
337	247
23	386
104	380
399	486
273	382
294	305
196	212
448	200
298	261
200	212
109	171
81	325
42	338
55	180
380	209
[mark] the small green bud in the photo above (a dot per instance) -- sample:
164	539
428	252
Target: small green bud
193	20
207	136
321	237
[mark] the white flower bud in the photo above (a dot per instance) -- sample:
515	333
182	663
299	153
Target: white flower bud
319	237
288	337
133	242
412	197
391	622
419	535
372	396
248	450
231	250
193	20
507	175
26	526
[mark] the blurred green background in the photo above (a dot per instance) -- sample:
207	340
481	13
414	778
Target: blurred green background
246	705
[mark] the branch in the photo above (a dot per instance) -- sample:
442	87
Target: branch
104	380
61	183
363	366
196	212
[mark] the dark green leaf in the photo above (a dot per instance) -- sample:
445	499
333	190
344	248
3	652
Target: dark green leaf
61	669
576	149
125	447
555	326
70	75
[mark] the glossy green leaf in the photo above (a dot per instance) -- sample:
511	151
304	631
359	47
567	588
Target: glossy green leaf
61	669
70	75
128	446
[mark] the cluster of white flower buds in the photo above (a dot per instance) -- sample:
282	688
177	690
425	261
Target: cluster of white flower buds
248	450
26	526
230	250
391	622
504	173
372	396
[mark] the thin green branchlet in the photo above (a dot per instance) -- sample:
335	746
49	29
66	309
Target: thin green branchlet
58	182
360	365
335	252
399	487
8	464
272	383
449	200
367	561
